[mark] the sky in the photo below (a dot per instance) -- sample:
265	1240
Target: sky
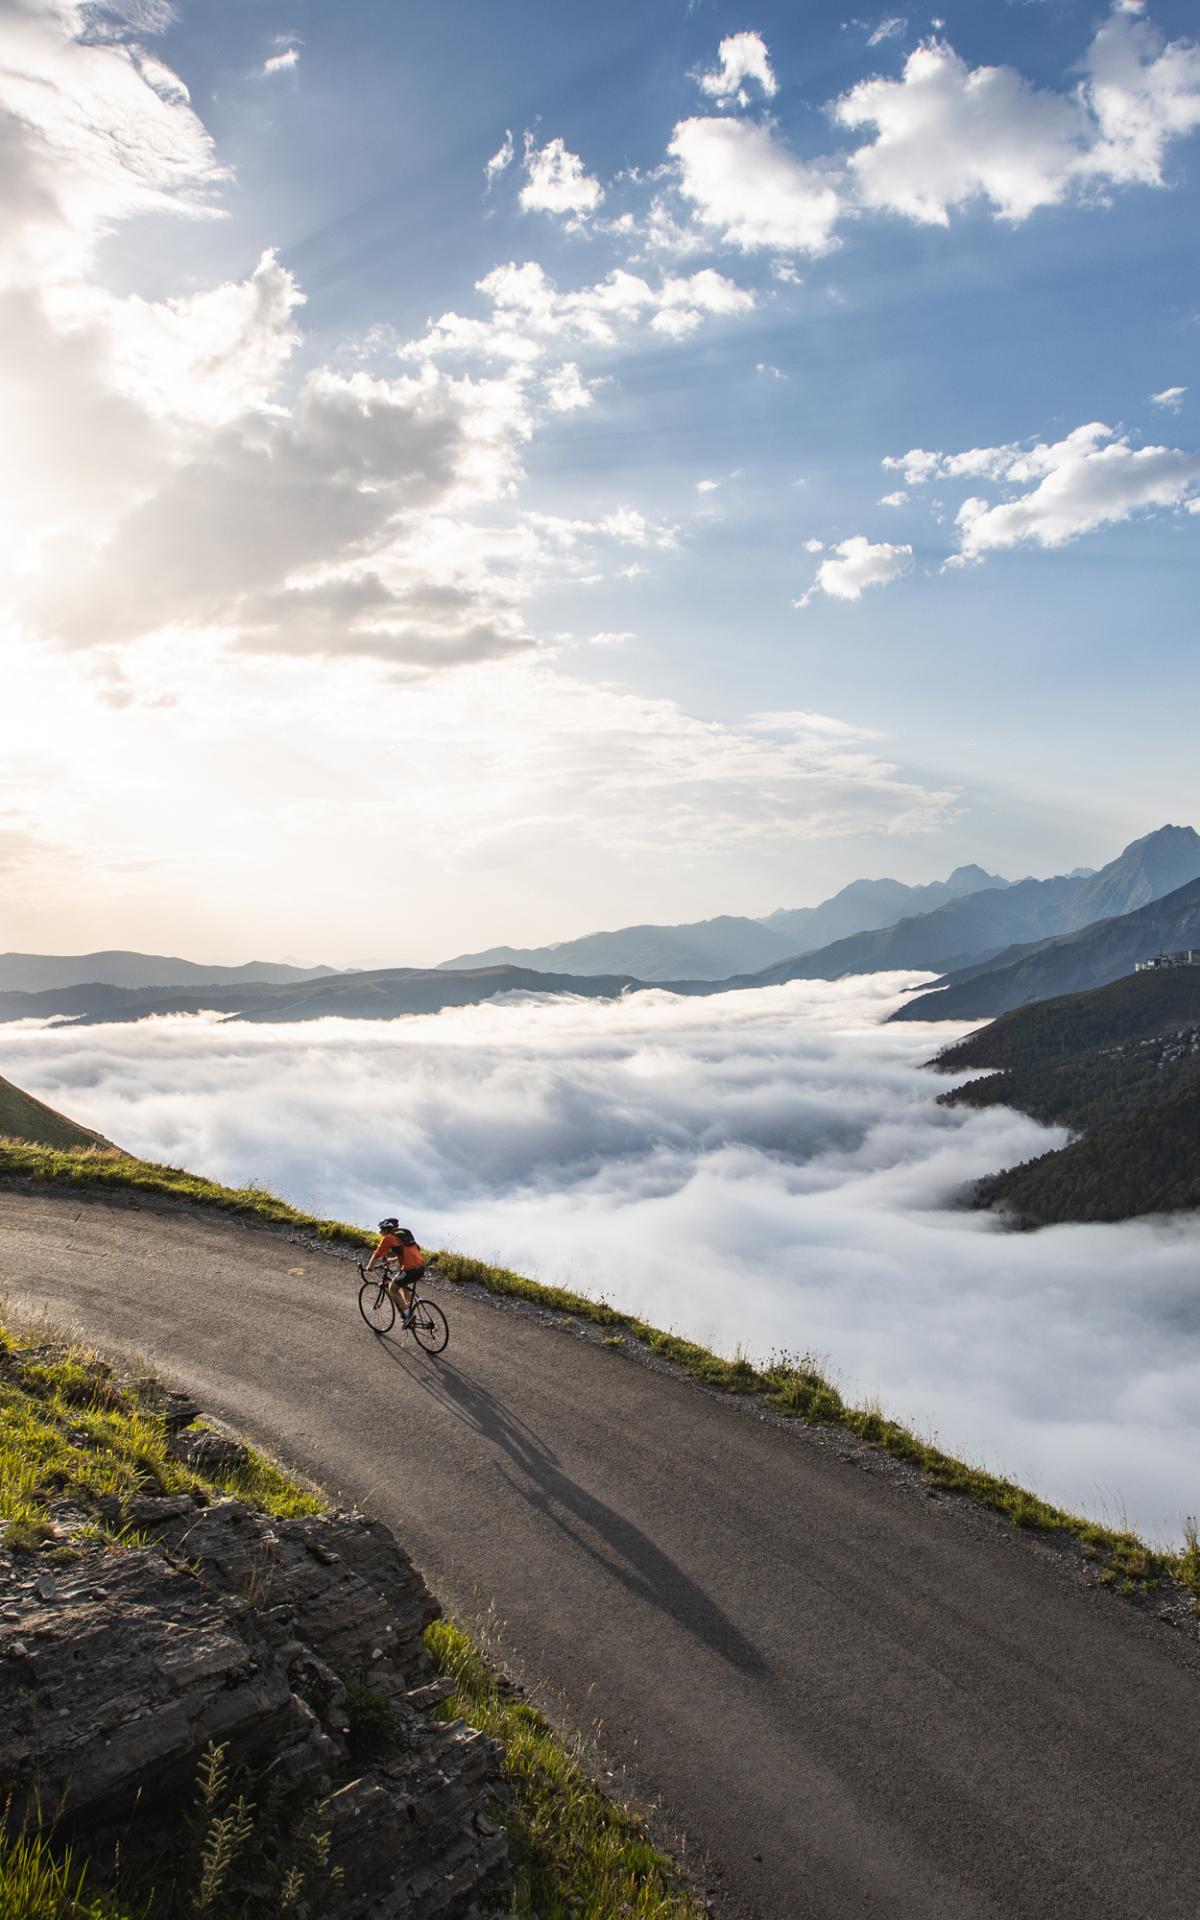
771	1171
481	473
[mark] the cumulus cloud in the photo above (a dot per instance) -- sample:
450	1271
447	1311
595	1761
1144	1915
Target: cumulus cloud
246	535
744	184
1093	477
532	317
777	1158
566	390
741	57
1171	398
947	134
856	564
204	357
556	180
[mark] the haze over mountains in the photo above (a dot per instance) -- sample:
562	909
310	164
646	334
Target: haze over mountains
731	943
981	924
995	944
114	967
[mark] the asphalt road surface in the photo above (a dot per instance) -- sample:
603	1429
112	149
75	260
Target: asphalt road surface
852	1700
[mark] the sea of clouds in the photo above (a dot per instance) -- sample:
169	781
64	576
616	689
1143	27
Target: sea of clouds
767	1169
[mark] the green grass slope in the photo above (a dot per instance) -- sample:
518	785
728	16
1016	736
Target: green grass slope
24	1118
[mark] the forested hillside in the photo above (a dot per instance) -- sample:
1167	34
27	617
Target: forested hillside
1120	1065
1147	1163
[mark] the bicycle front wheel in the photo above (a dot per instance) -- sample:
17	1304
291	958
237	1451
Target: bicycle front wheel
376	1306
428	1326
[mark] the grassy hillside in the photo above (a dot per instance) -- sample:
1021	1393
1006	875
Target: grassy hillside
792	1389
24	1118
1121	1065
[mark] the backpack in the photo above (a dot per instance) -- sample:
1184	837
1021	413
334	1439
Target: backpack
406	1237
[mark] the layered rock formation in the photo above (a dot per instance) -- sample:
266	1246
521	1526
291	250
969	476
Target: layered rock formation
276	1640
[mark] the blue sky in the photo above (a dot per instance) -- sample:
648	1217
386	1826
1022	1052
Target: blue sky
505	640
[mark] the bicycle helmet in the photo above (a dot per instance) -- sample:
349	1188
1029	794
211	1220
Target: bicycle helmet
389	1226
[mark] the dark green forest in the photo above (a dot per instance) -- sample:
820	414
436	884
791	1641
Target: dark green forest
1119	1065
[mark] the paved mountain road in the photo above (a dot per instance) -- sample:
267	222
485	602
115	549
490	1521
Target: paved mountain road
854	1701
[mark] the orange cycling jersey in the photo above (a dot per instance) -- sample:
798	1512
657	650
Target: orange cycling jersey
391	1247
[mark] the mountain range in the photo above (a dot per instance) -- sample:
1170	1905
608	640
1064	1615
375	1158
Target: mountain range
115	967
994	944
1070	963
730	943
378	995
979	925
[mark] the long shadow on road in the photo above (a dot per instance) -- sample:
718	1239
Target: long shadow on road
612	1542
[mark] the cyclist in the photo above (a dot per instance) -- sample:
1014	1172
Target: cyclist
399	1252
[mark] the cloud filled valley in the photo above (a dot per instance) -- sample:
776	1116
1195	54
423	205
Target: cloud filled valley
774	1173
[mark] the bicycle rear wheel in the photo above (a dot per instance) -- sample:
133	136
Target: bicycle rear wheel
376	1306
428	1326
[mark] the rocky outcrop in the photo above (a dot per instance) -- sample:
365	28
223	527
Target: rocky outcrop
272	1638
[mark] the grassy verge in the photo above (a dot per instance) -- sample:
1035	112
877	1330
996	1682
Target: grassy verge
70	1431
37	1884
108	1170
574	1851
792	1388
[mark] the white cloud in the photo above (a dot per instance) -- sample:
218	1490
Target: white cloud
500	161
856	564
897	499
707	486
947	134
1092	478
784	1132
889	28
531	317
566	390
557	180
743	183
633	529
205	357
92	131
813	546
919	466
741	57
772	372
1171	398
611	639
285	62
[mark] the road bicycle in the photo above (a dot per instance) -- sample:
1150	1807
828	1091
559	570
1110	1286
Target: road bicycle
424	1320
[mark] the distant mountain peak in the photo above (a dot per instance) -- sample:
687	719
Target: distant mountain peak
974	877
